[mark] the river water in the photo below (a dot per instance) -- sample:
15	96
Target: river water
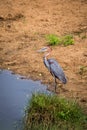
14	95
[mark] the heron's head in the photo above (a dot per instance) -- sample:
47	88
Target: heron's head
45	49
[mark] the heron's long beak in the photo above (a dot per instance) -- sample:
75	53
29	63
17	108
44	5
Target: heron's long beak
42	49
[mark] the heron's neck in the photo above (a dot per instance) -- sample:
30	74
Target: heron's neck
46	61
47	54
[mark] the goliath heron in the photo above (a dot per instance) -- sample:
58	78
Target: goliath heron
53	66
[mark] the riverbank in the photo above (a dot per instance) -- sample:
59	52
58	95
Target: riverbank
23	27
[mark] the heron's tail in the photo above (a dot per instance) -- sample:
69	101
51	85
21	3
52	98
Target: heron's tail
64	80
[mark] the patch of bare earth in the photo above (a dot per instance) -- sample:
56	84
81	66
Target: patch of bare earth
23	26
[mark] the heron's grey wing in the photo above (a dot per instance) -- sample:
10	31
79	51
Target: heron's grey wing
56	70
46	63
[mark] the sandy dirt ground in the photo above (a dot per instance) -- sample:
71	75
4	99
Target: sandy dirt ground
23	27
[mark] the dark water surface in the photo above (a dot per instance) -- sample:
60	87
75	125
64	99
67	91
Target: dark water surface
14	95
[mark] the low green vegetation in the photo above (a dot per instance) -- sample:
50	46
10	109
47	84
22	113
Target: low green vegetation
81	33
67	40
84	37
53	39
83	71
64	40
50	112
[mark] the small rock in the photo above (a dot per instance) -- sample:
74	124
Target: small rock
40	74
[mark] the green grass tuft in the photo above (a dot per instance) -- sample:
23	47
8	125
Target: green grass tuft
46	112
53	39
67	40
64	40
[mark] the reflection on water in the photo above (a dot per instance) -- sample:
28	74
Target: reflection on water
14	94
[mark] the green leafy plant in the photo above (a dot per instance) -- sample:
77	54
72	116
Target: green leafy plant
84	37
67	40
64	40
50	112
83	71
53	39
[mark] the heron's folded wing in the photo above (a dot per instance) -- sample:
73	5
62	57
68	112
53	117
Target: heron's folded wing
56	70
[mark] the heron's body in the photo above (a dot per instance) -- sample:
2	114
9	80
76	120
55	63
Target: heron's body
54	67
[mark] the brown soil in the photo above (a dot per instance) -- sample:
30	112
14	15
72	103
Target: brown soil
23	26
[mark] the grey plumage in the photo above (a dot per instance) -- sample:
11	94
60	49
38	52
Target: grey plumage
54	67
